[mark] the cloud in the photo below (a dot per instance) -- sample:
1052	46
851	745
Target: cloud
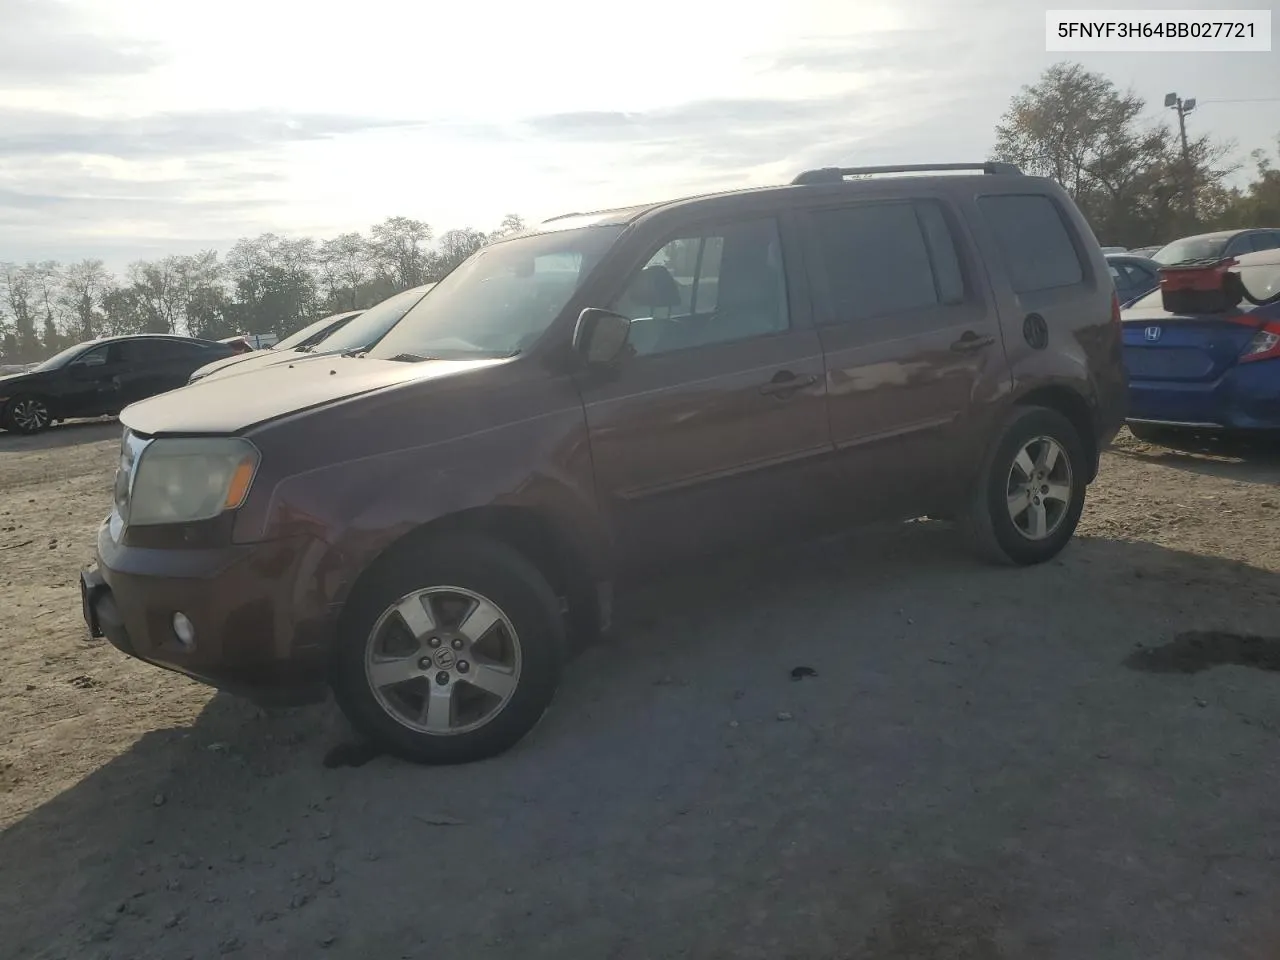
42	45
34	133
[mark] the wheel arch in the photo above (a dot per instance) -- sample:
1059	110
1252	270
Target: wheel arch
1072	405
569	565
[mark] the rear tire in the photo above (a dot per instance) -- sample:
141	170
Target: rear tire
1030	492
522	661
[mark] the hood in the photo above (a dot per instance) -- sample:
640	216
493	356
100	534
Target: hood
232	404
9	380
244	362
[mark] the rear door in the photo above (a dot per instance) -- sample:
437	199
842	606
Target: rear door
156	365
912	344
715	430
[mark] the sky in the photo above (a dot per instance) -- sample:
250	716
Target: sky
137	128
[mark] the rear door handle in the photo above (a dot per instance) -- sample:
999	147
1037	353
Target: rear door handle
971	341
785	383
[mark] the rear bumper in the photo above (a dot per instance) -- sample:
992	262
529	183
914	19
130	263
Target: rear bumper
260	629
1246	397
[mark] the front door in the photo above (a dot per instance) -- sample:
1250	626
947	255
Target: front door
93	386
714	429
911	341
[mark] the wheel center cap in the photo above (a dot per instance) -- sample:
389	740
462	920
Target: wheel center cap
444	658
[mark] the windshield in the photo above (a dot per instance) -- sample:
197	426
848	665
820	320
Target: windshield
61	359
1192	248
500	300
300	337
368	328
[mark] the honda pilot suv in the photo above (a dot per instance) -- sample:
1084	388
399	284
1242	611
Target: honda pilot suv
429	527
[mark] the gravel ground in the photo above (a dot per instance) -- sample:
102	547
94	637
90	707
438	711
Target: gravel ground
1077	760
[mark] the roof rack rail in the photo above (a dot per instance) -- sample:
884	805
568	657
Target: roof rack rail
563	216
836	174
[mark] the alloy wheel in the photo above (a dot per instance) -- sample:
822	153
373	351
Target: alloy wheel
1039	488
443	660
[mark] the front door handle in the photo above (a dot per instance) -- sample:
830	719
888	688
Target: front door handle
785	383
971	341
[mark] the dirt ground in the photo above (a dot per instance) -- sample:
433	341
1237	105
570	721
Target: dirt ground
1076	760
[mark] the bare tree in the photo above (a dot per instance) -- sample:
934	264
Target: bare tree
346	264
18	291
84	284
400	248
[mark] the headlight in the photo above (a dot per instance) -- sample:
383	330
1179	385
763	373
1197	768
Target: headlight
182	480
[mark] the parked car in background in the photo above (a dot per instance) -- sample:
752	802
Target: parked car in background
1216	246
238	343
303	339
1134	277
1110	250
1145	251
425	526
100	378
1203	351
359	334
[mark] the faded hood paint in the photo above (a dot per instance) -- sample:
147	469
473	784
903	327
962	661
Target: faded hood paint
227	405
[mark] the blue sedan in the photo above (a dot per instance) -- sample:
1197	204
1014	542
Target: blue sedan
1212	368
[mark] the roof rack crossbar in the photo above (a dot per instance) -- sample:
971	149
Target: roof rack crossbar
836	174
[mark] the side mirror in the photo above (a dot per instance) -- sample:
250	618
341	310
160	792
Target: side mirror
600	336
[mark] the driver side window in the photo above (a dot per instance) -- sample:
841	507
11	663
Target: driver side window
711	286
96	357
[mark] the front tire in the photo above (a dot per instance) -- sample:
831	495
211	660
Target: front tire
1031	490
449	652
28	414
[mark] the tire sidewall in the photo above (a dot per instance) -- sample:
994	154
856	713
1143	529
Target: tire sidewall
1025	426
492	570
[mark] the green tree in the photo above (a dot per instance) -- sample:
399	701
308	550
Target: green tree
274	283
18	291
1127	175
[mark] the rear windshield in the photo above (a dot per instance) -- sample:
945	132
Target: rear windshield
500	300
1192	248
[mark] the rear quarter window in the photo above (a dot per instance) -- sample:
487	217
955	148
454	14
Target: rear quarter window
1034	241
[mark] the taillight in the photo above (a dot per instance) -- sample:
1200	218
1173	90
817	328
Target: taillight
1265	344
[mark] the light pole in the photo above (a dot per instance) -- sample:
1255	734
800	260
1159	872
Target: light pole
1183	107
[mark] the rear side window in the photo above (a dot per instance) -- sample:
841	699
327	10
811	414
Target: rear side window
1033	241
1263	241
882	259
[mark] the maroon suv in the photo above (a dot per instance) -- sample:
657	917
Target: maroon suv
428	527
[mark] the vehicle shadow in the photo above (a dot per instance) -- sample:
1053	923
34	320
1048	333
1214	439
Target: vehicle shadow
1254	460
973	765
69	434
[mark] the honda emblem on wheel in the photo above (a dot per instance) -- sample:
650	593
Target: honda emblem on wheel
1152	333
